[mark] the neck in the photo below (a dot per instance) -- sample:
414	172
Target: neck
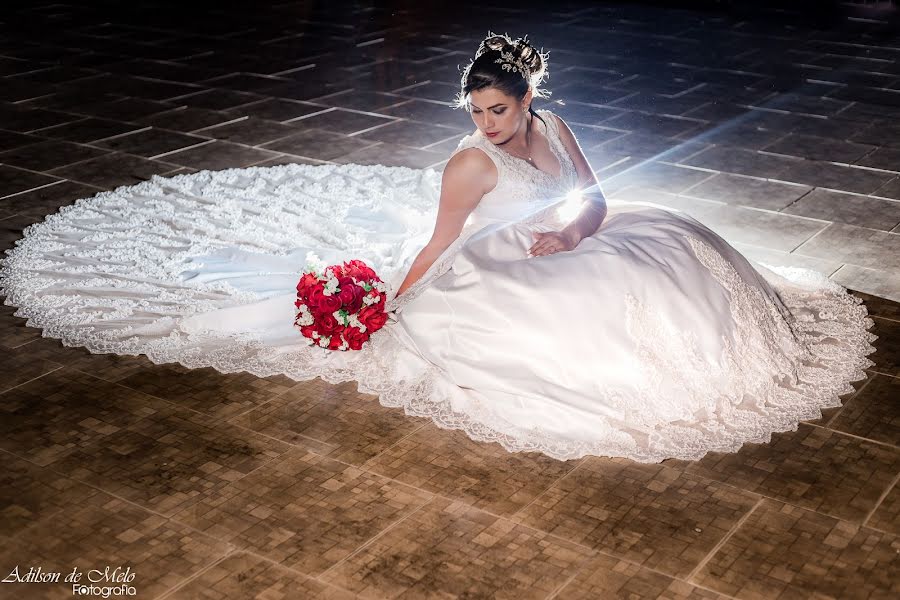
519	142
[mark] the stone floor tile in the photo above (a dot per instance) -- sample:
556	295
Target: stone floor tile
22	119
778	258
782	551
89	130
218	155
887	347
855	245
739	135
114	170
887	516
333	420
19	366
738	224
847	208
29	493
431	112
14	181
659	517
485	476
813	467
187	119
882	158
242	575
277	109
872	413
345	121
641	145
44	156
153	142
13	332
460	551
393	155
748	191
250	131
661	176
655	124
612	578
819	148
11	139
102	531
319	144
884	283
205	390
741	162
361	100
889	190
413	134
879	306
305	511
219	99
593	137
168	462
836	177
125	109
43	201
109	367
289	159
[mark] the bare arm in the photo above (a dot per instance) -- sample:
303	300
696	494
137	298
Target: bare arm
468	175
593	210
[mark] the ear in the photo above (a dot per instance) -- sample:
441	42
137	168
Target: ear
526	101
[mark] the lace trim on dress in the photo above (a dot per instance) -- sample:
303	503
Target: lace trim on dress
128	246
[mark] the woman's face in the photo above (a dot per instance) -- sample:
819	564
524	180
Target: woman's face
496	113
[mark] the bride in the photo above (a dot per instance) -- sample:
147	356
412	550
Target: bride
525	308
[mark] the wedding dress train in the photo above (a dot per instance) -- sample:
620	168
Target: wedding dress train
652	339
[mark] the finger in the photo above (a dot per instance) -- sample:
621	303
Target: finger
540	247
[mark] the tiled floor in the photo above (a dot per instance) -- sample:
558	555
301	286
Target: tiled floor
783	138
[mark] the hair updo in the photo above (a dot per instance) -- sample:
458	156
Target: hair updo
484	71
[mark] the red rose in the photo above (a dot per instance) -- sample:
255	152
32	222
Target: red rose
347	293
335	342
307	331
373	318
355	338
306	283
357	302
321	304
355	268
327	324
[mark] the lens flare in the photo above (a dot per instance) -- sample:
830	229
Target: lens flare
571	207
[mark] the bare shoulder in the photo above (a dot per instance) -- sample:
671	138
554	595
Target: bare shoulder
565	133
472	165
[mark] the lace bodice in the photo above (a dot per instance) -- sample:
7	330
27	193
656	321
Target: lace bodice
522	189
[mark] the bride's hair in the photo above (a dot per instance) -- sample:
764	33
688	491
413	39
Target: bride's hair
492	67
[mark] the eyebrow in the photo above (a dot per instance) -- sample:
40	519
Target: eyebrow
490	107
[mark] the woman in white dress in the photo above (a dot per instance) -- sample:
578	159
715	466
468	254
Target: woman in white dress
526	309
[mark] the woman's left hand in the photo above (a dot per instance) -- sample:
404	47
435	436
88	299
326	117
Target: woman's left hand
551	242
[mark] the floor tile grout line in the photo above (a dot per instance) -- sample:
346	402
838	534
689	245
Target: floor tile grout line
723	541
844	403
7	390
187	580
884	494
373	539
577	571
549	487
854	436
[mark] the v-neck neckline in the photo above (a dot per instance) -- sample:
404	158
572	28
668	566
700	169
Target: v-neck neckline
547	134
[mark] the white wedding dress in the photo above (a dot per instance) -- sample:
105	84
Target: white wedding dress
652	339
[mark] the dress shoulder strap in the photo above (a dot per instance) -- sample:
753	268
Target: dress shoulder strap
550	120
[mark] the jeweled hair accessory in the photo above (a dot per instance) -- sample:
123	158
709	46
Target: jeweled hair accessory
509	62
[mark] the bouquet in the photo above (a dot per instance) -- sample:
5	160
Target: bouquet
341	306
